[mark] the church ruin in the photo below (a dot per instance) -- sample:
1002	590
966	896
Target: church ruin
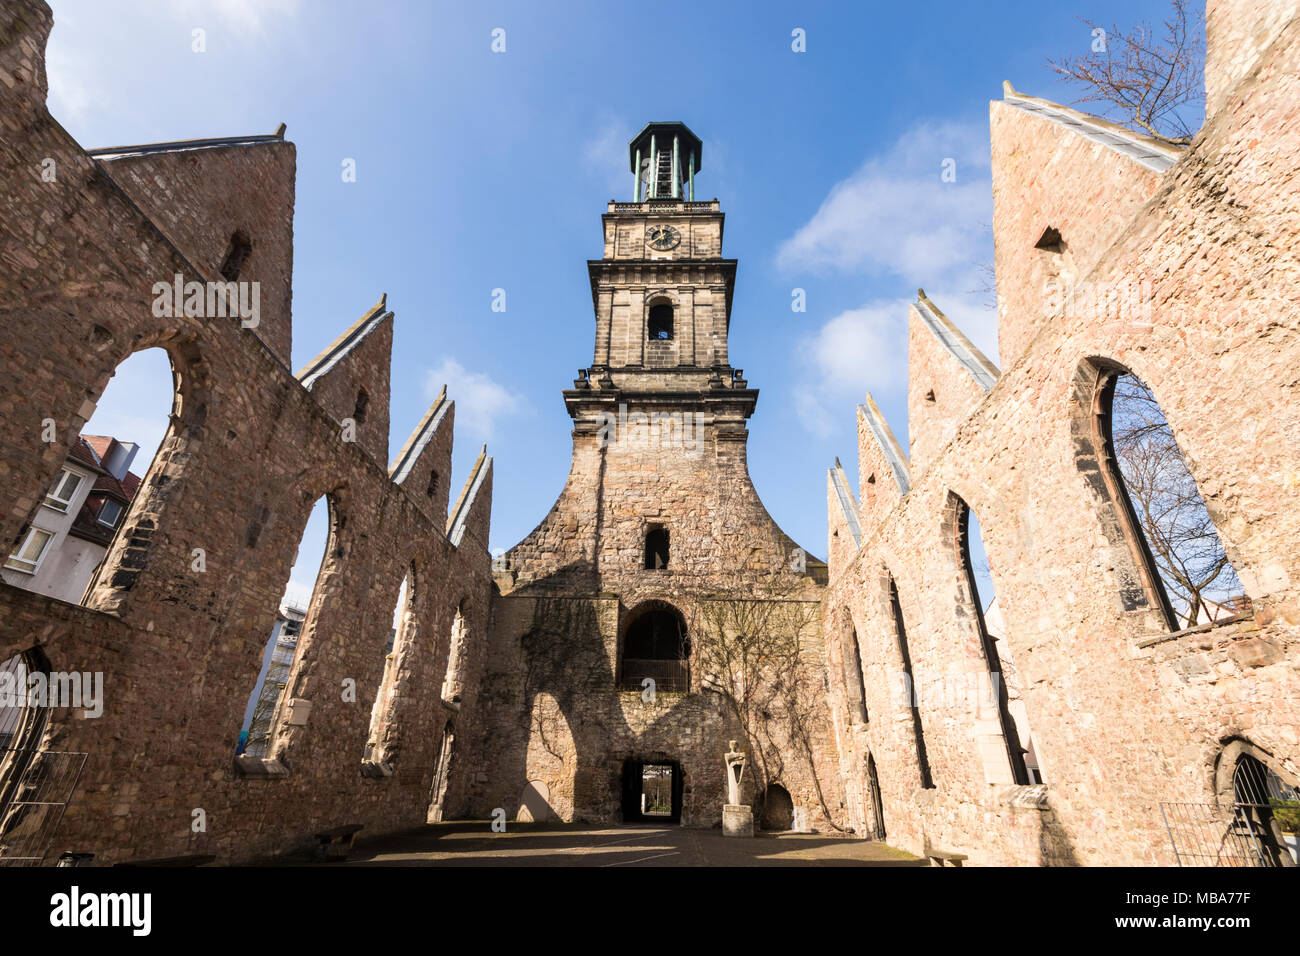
599	670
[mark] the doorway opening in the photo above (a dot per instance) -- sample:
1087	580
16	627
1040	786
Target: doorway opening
652	791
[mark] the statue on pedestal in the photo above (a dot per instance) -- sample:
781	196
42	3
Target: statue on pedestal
737	819
735	770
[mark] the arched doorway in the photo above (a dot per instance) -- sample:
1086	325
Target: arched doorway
656	646
35	784
778	808
1268	809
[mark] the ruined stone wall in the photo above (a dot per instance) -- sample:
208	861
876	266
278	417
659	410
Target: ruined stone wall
552	708
1125	715
185	603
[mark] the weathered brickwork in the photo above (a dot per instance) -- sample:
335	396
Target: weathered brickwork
182	609
1196	251
508	684
554	714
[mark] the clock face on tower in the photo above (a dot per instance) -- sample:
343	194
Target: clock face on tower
662	238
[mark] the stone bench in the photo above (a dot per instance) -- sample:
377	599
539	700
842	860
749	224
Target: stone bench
944	858
334	844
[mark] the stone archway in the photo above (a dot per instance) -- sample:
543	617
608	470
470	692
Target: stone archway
777	808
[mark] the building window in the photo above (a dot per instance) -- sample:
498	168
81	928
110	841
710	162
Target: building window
236	256
27	557
656	549
109	513
853	683
381	743
359	412
909	682
660	324
453	680
655	645
65	488
982	608
1185	560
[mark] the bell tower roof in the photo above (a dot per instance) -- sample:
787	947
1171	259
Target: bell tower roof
665	131
663	159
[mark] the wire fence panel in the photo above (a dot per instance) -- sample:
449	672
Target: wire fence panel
1220	834
46	780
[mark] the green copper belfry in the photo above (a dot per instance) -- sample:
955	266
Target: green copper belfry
660	172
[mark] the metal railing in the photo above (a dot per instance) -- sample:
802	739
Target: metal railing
1224	834
46	781
669	676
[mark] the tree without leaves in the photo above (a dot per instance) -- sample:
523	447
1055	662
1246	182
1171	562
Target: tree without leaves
1184	542
1148	79
757	653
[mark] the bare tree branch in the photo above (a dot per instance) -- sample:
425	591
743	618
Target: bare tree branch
1148	80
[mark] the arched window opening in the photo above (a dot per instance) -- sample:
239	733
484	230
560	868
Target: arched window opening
261	715
23	715
76	525
1006	692
909	686
433	484
656	646
1050	241
28	775
1184	563
777	808
877	802
452	684
359	410
380	747
656	548
854	686
442	774
236	255
1266	807
660	323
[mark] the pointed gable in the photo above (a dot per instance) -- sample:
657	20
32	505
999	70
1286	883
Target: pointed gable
947	378
350	379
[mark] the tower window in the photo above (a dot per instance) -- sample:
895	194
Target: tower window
656	549
1050	241
236	255
660	324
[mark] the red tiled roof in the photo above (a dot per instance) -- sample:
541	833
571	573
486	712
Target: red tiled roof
84	454
100	443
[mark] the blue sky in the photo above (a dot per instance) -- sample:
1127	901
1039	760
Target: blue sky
479	170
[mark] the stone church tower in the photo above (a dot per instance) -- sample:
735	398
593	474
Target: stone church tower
639	625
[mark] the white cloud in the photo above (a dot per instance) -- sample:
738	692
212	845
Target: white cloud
861	345
896	221
896	215
480	401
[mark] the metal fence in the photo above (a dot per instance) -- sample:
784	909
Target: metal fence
669	676
1223	834
44	783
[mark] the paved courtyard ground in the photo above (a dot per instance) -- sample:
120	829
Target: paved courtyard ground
472	843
